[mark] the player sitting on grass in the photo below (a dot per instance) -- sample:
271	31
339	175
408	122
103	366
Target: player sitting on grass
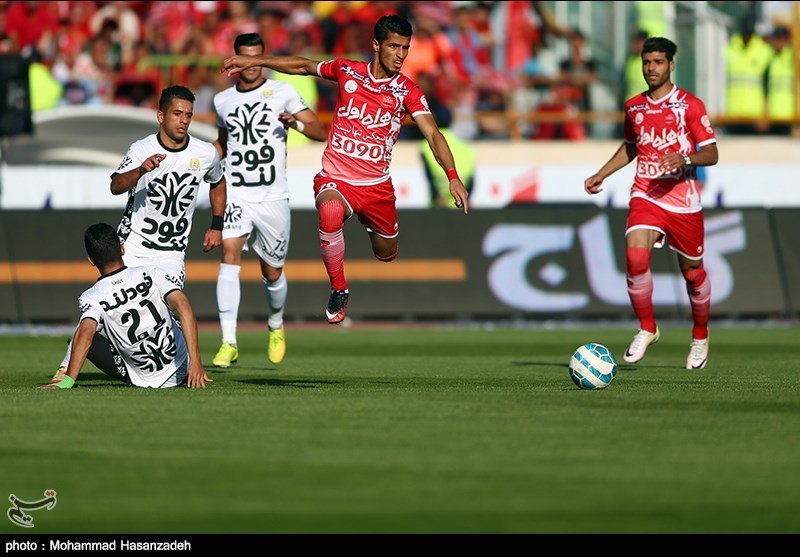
142	345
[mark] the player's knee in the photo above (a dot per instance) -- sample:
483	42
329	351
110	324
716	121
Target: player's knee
694	274
387	255
331	215
638	260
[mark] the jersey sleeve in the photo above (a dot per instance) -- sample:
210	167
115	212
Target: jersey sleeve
216	171
700	125
133	159
416	103
294	102
330	69
89	308
163	282
629	134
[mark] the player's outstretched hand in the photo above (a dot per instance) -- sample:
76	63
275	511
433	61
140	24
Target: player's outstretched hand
593	184
235	64
460	195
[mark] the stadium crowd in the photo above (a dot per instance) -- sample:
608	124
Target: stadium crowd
477	62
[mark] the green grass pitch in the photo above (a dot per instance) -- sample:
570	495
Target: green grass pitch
415	430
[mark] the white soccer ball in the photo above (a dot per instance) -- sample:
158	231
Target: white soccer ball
592	366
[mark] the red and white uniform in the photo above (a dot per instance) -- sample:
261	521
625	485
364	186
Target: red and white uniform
675	123
367	119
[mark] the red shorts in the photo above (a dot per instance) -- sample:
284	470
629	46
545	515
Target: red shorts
374	205
683	232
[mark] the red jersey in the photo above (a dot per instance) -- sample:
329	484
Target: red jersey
366	120
675	123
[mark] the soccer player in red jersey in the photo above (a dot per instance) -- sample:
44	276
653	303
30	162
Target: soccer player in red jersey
374	99
663	125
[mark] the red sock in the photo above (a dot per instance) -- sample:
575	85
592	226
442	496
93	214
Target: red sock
331	241
699	288
640	287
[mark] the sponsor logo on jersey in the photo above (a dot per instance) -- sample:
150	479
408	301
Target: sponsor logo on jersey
378	119
660	140
124	295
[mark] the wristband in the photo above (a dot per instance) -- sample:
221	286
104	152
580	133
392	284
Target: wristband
300	126
452	174
687	161
66	383
217	222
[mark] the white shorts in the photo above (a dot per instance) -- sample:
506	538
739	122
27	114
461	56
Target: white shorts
173	264
268	223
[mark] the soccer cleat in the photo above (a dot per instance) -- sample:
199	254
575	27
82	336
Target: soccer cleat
228	354
336	305
638	347
698	354
59	375
277	345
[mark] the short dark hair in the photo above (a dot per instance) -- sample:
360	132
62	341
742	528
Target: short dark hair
391	24
247	39
102	244
174	92
660	44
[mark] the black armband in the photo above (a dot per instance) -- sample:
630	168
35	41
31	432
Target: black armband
217	222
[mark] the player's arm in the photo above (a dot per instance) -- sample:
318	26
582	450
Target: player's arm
81	343
221	144
441	151
625	154
179	304
708	155
218	197
306	122
124	181
294	65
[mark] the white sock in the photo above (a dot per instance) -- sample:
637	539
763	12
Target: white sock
228	296
276	299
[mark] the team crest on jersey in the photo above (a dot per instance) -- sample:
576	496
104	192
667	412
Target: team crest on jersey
350	86
194	164
639	118
267	93
424	102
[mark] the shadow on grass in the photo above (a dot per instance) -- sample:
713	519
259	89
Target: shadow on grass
296	383
544	364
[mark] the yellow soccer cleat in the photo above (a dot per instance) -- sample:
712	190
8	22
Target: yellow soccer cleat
228	354
277	345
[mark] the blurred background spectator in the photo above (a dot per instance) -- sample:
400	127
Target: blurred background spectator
496	70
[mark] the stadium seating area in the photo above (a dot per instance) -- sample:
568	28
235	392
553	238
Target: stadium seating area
491	70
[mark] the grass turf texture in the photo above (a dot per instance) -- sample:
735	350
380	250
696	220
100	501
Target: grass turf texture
415	431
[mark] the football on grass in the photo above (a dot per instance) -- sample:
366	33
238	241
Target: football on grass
592	366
